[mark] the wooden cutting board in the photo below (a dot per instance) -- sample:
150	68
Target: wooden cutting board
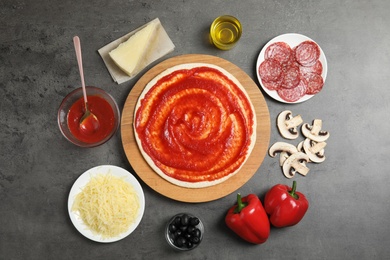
160	185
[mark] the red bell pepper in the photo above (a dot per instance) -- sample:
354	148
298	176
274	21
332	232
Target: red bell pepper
285	205
248	219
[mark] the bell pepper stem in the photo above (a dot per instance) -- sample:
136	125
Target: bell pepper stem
240	204
293	189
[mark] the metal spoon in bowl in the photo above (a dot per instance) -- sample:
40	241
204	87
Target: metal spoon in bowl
88	122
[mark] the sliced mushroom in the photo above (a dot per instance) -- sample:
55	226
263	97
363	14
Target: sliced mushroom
279	147
300	147
283	157
287	124
314	131
295	163
315	150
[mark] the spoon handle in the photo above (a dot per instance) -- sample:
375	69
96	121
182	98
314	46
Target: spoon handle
77	47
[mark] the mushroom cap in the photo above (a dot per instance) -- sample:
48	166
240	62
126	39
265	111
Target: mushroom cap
300	147
279	147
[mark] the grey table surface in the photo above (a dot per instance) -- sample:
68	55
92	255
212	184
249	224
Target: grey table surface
349	193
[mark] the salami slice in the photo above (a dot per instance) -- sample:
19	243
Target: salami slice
293	94
314	83
291	75
273	85
316	68
270	70
307	53
279	51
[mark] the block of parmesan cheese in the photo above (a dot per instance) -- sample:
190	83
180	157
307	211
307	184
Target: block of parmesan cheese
129	56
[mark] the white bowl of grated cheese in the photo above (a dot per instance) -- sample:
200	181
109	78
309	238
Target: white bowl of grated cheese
106	203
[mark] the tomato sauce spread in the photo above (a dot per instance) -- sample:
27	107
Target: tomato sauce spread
101	109
195	124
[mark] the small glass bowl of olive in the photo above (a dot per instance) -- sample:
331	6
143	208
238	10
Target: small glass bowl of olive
184	231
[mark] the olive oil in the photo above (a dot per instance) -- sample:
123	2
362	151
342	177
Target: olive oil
225	31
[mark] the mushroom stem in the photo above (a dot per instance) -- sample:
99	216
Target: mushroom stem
317	125
294	122
317	147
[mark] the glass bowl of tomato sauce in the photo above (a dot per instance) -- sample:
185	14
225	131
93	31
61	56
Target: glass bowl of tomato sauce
101	104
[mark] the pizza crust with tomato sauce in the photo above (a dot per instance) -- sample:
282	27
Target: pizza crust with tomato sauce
195	125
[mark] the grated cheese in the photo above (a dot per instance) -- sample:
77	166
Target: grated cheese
108	205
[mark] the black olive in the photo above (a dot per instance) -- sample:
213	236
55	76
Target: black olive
172	236
181	241
191	229
185	220
177	221
172	228
195	240
183	228
178	233
189	244
196	233
194	221
187	235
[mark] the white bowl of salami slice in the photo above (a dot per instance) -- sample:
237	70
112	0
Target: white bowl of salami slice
291	68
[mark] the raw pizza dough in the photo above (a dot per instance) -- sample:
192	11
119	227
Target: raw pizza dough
186	179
